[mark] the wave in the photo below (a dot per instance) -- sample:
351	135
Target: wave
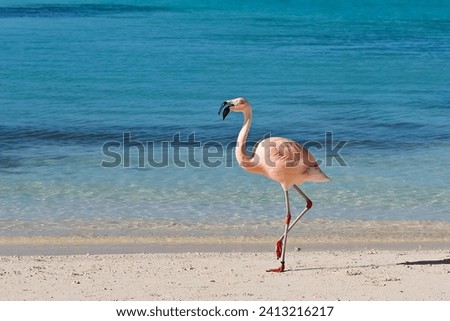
14	142
76	10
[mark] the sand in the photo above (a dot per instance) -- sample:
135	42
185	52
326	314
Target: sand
368	274
351	260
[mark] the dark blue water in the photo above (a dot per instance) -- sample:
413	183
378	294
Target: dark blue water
75	75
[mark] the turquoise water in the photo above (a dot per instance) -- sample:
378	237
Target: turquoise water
75	75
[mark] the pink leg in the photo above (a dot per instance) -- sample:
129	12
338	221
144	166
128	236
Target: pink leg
286	230
279	244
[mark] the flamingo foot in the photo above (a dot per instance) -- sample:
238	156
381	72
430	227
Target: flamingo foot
279	248
277	270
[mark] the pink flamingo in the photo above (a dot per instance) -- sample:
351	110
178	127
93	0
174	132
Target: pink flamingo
279	159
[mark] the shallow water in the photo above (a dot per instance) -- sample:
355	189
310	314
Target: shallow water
77	75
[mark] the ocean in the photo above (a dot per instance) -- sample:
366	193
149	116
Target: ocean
109	124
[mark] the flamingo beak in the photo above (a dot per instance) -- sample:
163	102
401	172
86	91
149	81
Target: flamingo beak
226	109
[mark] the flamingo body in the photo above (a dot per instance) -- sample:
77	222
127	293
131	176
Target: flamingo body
286	162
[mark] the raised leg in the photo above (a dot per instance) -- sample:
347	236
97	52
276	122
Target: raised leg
279	245
286	230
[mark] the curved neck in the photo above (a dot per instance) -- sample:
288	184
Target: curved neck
241	154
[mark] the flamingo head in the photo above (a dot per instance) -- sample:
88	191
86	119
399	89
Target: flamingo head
238	104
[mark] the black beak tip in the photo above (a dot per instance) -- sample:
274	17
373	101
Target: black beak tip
226	111
225	108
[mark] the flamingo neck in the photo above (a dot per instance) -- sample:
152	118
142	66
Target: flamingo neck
241	154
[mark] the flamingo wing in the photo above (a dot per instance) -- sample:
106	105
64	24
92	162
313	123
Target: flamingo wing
290	152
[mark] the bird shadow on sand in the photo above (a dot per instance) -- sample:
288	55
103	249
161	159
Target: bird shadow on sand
336	268
426	262
372	266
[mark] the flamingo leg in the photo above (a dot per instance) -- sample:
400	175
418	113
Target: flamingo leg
306	209
286	230
279	244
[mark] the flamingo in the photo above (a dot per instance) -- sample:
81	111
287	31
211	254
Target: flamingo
280	159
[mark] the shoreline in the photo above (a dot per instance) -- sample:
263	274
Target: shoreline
100	246
165	237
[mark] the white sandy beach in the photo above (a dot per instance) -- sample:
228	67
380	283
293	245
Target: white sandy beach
311	275
348	260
